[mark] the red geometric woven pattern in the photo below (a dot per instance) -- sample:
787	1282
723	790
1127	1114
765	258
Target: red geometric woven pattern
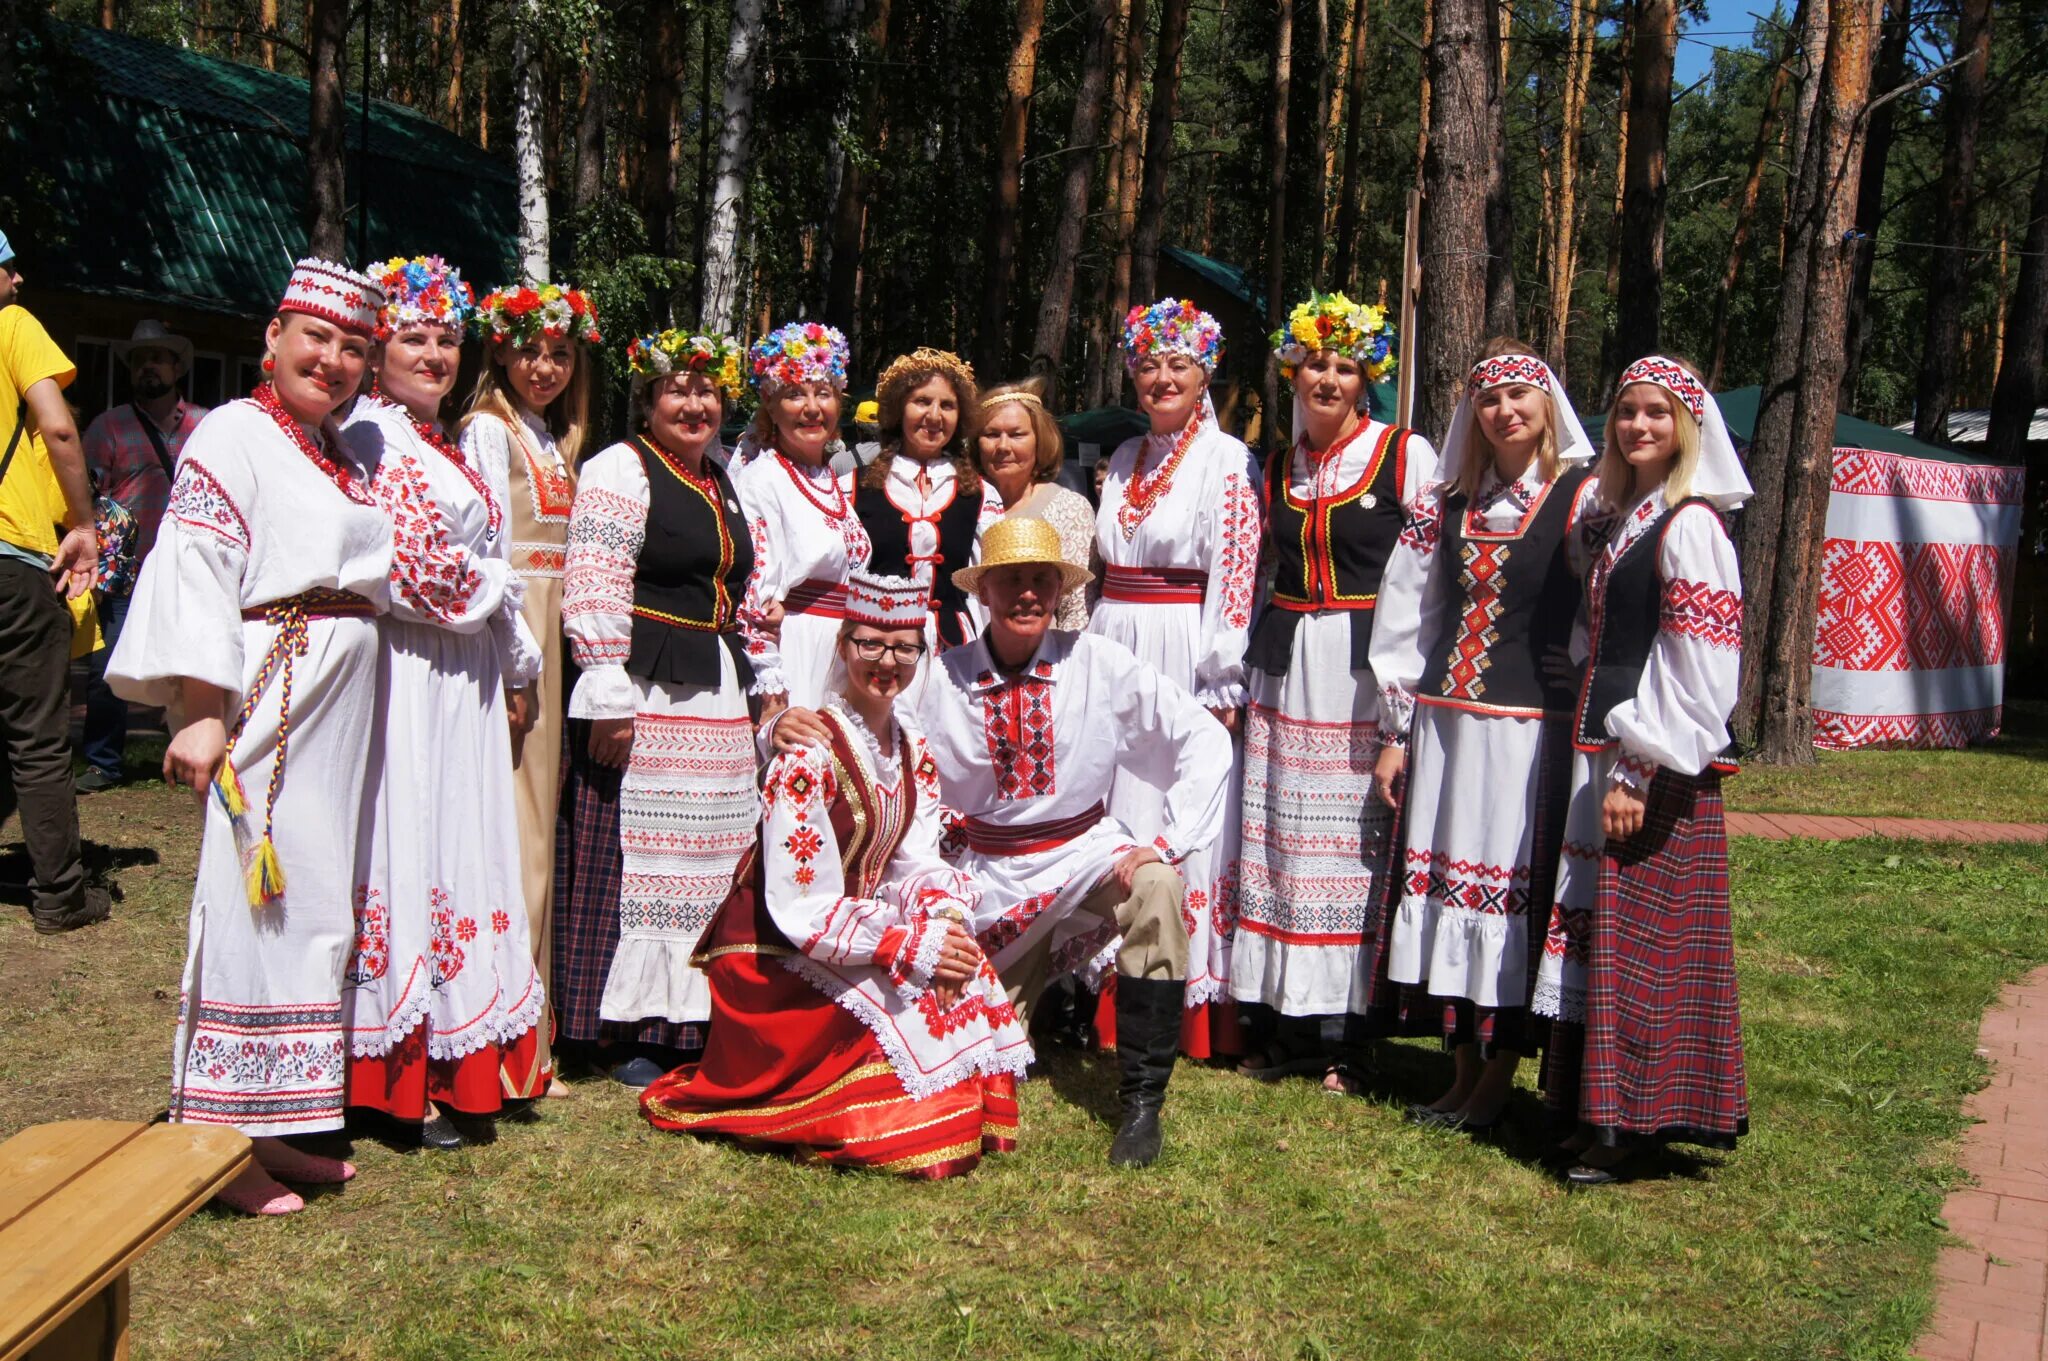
1694	609
1862	620
1867	472
1476	633
1916	606
1851	732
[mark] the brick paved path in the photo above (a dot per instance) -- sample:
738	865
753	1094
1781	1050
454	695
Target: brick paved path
1780	826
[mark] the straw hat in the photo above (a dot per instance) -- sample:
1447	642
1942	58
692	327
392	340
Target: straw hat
1021	539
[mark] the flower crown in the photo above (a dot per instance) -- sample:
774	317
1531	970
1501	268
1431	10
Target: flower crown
1331	321
798	353
672	351
1173	326
423	291
525	312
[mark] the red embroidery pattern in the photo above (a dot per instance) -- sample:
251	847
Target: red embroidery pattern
427	573
751	607
199	500
927	772
442	445
1194	905
1017	719
547	484
500	922
371	955
800	789
447	955
1915	606
1509	368
1238	562
605	537
321	455
1672	378
1480	576
1422	528
1014	923
1496	890
1867	472
1142	492
1693	609
838	513
1846	732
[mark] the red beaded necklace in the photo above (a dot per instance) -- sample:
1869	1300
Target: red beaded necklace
273	405
705	484
842	503
1143	491
449	450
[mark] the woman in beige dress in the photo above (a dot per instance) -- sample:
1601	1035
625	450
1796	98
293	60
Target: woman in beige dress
1019	448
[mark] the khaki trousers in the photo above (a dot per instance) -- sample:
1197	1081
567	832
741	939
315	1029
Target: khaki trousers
1155	941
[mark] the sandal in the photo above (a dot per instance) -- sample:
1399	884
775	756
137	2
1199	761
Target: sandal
1340	1079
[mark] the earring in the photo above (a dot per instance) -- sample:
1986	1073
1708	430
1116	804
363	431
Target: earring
269	364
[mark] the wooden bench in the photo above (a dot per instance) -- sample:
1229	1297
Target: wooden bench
80	1200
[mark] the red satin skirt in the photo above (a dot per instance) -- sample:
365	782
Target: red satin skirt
786	1068
402	1081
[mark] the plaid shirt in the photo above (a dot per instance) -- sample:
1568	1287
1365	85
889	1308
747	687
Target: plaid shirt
124	464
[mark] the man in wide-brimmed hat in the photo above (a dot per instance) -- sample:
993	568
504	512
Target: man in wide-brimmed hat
1028	725
132	450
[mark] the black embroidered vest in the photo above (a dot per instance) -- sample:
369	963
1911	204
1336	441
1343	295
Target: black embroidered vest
1514	600
889	533
1329	554
691	574
1624	624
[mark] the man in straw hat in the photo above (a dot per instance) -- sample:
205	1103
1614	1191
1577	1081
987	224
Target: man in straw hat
1028	725
132	450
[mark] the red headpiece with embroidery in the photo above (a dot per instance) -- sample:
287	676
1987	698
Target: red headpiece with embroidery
1670	375
335	293
885	602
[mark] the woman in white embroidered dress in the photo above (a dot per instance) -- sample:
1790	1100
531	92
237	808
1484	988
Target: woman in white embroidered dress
658	559
1019	449
1638	972
443	1005
1471	651
1178	533
252	619
857	1021
1316	839
525	428
806	535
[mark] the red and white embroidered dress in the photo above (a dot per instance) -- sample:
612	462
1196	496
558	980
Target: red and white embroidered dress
1678	718
252	520
1178	533
687	803
1017	752
443	999
806	539
1314	832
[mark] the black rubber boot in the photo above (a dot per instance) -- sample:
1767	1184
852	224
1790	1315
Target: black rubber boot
1148	1014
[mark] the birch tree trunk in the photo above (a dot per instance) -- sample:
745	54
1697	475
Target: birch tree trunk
1345	269
722	302
1461	57
1792	457
1948	270
326	229
1173	32
527	155
992	338
1639	301
1048	346
1276	211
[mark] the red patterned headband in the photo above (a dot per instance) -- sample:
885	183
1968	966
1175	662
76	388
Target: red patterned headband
1509	368
1670	375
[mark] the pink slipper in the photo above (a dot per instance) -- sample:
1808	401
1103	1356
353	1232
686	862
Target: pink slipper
254	1193
286	1163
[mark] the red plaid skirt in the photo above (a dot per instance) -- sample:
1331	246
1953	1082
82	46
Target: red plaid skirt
1663	1033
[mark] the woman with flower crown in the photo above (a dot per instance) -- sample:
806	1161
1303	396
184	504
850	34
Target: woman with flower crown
527	420
1472	653
800	515
1316	840
253	618
443	1007
660	799
1178	532
857	1022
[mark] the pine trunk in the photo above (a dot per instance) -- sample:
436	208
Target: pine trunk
1877	151
1948	270
1333	130
722	301
527	156
1564	240
707	63
1500	203
1745	216
326	229
1639	302
590	107
2026	329
1120	201
266	19
1049	345
1276	210
1456	169
1319	143
1349	188
992	338
1609	369
1779	619
849	211
1173	32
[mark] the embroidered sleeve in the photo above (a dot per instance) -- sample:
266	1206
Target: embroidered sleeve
1679	714
185	617
762	637
1233	577
433	578
607	529
1405	620
918	880
1150	712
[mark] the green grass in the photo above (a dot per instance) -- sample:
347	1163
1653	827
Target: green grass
2005	780
1282	1223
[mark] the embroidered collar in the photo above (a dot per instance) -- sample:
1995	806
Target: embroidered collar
888	768
1647	511
1045	664
901	488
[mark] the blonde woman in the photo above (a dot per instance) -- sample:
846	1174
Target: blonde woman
1019	448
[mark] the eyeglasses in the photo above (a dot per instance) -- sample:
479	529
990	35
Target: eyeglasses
871	650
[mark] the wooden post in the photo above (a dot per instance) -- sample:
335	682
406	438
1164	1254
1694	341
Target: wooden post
1411	288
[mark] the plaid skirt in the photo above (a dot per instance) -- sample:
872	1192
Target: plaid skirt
589	868
1660	1054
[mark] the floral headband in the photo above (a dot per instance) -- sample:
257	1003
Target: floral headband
1172	326
1502	370
423	291
1331	321
672	351
526	313
798	353
1670	375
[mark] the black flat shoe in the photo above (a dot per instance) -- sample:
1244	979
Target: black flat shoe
1585	1175
637	1072
439	1133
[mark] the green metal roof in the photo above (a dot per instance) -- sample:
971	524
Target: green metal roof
181	178
1228	277
1739	407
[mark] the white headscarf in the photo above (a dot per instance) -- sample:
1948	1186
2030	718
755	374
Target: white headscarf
1719	477
1500	371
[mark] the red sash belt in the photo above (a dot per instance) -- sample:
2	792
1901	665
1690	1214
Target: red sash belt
1154	586
815	596
318	603
1294	606
1024	839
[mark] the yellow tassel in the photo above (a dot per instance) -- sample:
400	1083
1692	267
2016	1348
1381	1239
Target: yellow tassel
227	787
266	876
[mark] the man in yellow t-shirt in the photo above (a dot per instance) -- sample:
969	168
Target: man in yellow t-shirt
39	568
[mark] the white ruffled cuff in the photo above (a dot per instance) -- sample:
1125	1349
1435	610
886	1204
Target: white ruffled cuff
1634	772
1229	695
604	692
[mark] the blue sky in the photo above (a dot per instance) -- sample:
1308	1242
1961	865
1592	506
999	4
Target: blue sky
1727	24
